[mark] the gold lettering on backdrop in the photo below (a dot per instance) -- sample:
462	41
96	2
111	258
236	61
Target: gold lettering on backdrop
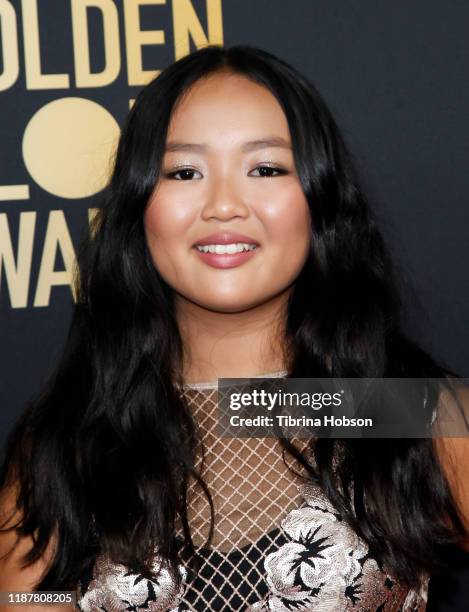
9	48
57	236
187	25
68	146
14	192
17	275
17	266
35	79
81	43
135	39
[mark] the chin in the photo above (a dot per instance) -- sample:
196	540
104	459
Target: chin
228	305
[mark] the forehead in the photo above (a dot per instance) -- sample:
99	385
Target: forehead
224	104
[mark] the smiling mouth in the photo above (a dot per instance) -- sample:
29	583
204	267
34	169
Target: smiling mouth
226	255
226	249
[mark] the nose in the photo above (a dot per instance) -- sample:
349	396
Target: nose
224	199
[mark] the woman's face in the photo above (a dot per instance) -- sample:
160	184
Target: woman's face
228	167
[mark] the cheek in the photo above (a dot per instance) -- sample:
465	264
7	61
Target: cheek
289	221
165	221
162	232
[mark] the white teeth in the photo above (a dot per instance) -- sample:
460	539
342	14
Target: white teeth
221	249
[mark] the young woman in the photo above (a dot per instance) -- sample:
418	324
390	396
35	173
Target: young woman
116	468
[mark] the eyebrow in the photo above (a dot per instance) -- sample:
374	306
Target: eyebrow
251	145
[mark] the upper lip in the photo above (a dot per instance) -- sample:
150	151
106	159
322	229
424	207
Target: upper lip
225	238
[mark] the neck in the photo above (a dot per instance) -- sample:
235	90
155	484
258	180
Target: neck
232	345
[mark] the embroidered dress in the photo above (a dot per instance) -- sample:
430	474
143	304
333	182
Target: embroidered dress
278	544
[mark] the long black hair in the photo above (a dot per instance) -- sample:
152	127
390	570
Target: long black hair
102	456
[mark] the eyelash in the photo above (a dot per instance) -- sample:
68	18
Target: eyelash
280	172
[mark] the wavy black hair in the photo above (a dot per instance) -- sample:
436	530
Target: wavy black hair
102	456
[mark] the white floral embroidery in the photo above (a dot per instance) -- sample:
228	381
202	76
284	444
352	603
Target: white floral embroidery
322	566
115	589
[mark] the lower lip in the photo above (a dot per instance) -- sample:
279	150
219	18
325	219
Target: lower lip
226	260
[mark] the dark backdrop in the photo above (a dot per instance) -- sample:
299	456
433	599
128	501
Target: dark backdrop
395	74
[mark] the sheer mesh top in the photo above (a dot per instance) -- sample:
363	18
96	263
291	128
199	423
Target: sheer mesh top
277	543
251	489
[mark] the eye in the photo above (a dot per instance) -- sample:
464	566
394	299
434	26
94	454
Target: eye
267	171
186	174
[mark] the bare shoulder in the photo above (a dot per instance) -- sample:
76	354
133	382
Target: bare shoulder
13	575
453	452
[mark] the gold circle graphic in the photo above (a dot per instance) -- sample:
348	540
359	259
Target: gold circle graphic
67	147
